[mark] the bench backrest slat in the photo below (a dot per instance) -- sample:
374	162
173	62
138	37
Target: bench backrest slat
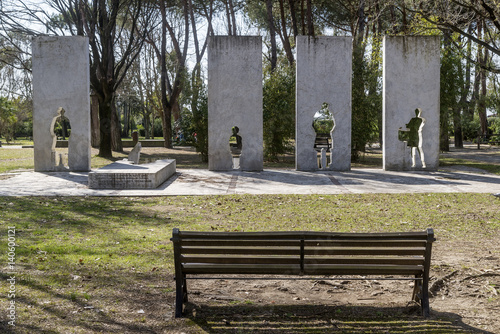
307	251
298	235
416	260
307	243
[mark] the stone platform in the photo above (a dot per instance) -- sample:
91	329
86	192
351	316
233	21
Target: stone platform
125	175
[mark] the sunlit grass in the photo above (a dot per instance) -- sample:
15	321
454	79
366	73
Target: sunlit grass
488	167
16	159
187	157
113	253
17	142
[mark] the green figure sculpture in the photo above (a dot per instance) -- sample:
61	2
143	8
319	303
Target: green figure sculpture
414	141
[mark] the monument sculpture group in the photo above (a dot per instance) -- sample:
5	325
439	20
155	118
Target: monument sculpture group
410	82
323	81
61	84
323	77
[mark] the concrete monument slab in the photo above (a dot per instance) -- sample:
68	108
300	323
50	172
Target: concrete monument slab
323	80
127	175
411	76
235	101
61	86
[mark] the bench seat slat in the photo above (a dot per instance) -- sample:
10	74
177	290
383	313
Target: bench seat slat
365	251
296	260
362	270
243	250
366	260
274	269
241	259
244	269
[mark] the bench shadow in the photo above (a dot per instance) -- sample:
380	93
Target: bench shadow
244	318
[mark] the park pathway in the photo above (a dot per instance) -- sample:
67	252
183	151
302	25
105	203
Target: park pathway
456	179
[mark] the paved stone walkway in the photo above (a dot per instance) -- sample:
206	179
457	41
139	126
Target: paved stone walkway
204	182
276	181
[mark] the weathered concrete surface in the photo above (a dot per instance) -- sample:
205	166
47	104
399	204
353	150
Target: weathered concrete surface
324	73
449	179
411	80
61	80
203	182
235	99
126	175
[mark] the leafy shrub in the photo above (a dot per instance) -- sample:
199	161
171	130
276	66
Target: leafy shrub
279	111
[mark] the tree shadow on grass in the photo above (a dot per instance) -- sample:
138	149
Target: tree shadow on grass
323	319
56	308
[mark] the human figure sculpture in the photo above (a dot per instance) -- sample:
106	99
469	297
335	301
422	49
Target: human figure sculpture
236	148
331	136
415	139
239	144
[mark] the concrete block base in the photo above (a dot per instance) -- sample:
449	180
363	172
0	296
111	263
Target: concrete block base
125	175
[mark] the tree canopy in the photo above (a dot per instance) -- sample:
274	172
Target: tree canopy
150	57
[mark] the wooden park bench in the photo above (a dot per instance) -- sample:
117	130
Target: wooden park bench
308	255
487	139
322	141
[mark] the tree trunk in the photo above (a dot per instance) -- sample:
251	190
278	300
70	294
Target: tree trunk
457	128
116	139
310	22
359	114
484	91
228	16
303	17
461	111
166	110
479	79
233	16
293	14
360	24
94	121
105	127
176	110
444	140
446	91
286	39
272	34
166	122
125	110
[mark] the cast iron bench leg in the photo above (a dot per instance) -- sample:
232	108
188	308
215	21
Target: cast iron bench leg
184	289
179	292
425	299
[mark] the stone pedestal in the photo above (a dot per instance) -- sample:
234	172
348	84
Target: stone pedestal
61	86
235	100
411	76
126	175
324	75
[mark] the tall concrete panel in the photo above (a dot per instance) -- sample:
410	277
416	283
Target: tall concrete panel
411	84
61	86
235	100
324	75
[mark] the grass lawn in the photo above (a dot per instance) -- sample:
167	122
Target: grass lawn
187	157
105	265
